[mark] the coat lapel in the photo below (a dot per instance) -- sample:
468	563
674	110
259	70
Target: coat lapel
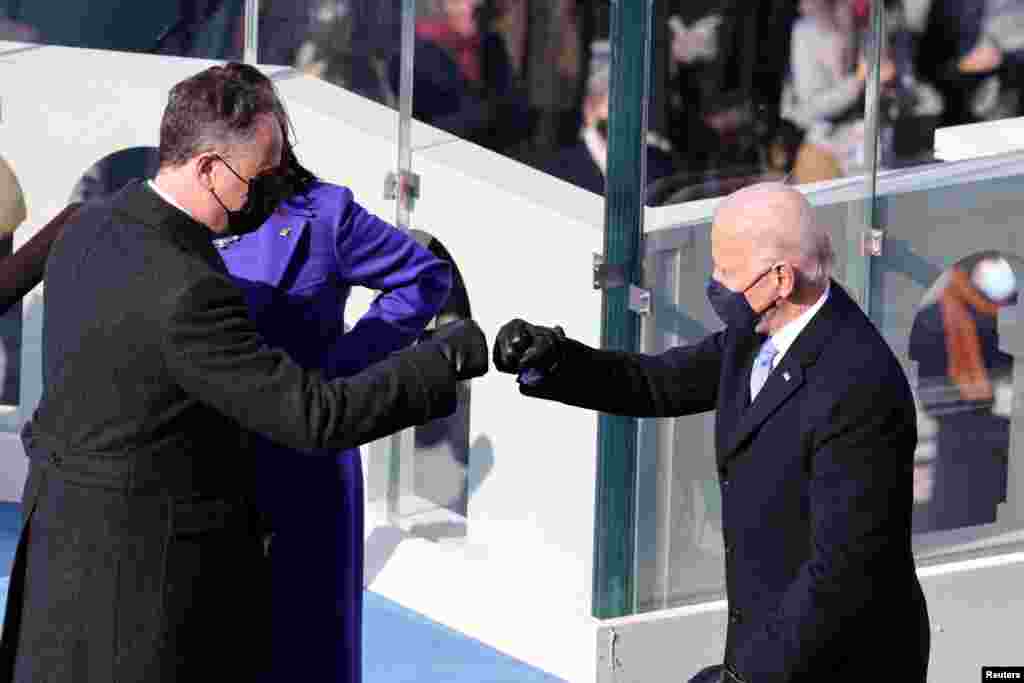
732	392
788	378
264	255
140	203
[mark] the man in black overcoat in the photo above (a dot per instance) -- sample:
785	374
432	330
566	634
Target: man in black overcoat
141	559
815	439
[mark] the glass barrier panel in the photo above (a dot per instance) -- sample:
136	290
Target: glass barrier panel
948	64
715	110
353	44
944	293
513	76
510	76
208	29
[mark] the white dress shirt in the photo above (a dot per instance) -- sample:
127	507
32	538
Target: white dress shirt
785	337
169	199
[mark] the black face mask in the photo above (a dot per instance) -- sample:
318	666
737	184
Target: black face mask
264	195
733	307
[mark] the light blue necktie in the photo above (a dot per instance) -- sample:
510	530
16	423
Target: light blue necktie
762	367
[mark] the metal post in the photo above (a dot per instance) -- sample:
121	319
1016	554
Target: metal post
872	128
400	463
251	52
615	523
405	112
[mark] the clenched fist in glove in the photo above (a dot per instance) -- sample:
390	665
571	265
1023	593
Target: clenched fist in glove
521	346
463	344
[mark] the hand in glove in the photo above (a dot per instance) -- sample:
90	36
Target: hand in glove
463	344
521	346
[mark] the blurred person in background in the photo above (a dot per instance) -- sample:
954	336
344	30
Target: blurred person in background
958	56
17	31
351	44
961	372
464	81
826	92
585	164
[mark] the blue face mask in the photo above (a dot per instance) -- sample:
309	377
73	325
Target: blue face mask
733	307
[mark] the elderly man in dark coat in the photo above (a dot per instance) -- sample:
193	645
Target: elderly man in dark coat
815	438
141	558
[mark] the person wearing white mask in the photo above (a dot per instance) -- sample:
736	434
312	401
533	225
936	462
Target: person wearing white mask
955	341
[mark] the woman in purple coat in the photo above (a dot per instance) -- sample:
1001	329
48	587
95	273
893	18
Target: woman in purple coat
297	270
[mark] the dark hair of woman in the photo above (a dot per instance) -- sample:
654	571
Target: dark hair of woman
296	178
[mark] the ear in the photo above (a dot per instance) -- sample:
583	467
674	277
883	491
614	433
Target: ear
786	275
203	167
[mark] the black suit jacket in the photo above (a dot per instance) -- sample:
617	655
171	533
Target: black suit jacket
816	487
141	558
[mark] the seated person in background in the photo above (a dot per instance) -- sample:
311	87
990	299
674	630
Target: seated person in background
17	31
351	45
463	79
826	93
961	370
586	163
957	56
1003	39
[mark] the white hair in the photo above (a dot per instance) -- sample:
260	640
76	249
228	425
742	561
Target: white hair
780	223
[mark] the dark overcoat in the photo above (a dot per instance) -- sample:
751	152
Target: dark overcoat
816	482
141	558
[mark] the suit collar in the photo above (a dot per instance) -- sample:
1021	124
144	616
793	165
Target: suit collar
141	203
787	378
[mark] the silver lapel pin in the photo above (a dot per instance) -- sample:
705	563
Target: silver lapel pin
225	242
785	376
285	232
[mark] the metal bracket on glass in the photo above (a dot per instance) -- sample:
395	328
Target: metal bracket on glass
606	275
613	659
612	276
404	185
872	244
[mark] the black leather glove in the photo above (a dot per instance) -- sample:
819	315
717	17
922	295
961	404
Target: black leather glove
464	345
521	346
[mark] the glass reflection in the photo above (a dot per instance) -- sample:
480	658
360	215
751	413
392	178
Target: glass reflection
965	388
585	163
348	43
208	29
964	57
464	80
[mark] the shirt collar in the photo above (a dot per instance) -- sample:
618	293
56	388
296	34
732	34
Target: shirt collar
597	147
169	199
785	337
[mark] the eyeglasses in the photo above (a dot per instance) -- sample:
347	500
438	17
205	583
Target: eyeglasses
256	178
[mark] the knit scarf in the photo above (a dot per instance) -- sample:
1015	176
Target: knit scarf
965	365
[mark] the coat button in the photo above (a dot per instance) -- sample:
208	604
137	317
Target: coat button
735	616
55	459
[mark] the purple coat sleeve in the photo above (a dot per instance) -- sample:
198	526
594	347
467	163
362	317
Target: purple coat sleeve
414	285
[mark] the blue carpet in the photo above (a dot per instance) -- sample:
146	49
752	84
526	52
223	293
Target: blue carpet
398	644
